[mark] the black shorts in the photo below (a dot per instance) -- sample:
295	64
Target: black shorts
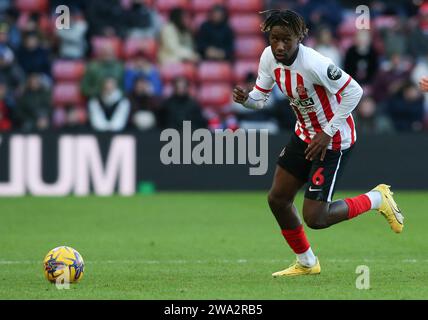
321	176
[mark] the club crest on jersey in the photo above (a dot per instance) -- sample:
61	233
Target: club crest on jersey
301	90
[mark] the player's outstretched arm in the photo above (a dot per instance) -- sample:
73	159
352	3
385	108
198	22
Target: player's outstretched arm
240	95
255	100
423	84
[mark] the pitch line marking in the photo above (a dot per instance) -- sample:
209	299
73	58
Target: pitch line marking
221	261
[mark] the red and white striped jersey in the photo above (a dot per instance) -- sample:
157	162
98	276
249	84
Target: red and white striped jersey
314	86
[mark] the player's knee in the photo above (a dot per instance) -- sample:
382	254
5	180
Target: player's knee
314	223
314	220
278	201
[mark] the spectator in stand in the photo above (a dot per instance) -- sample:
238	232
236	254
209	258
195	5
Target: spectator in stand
33	25
4	40
176	41
181	106
69	118
141	66
72	41
105	66
105	18
418	75
144	105
32	57
326	46
14	34
394	39
390	78
215	38
315	13
366	115
110	110
406	109
4	6
418	37
370	118
33	107
10	71
142	21
5	108
361	59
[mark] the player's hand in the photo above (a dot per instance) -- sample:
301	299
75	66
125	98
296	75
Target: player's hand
318	145
423	84
240	95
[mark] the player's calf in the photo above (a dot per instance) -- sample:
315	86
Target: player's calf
284	210
315	216
321	215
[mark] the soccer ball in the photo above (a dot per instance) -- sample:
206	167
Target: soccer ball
63	265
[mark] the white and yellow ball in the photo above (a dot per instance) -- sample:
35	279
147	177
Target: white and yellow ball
64	265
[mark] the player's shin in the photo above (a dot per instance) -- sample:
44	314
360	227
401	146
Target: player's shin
299	243
363	203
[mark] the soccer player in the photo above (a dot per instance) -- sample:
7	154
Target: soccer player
322	97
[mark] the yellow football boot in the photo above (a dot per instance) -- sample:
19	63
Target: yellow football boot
389	208
297	269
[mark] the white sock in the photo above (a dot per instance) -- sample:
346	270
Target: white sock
375	198
307	258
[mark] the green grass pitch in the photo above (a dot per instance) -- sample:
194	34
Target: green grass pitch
205	246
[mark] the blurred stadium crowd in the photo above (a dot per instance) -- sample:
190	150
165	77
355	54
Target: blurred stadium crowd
143	64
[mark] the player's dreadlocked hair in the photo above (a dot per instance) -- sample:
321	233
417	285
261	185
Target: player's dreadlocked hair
288	18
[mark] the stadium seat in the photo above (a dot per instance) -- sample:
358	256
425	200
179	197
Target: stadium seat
168	5
68	70
32	5
215	95
171	71
243	67
60	115
46	24
249	47
385	22
98	43
245	24
210	71
204	5
67	93
253	6
197	20
134	45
